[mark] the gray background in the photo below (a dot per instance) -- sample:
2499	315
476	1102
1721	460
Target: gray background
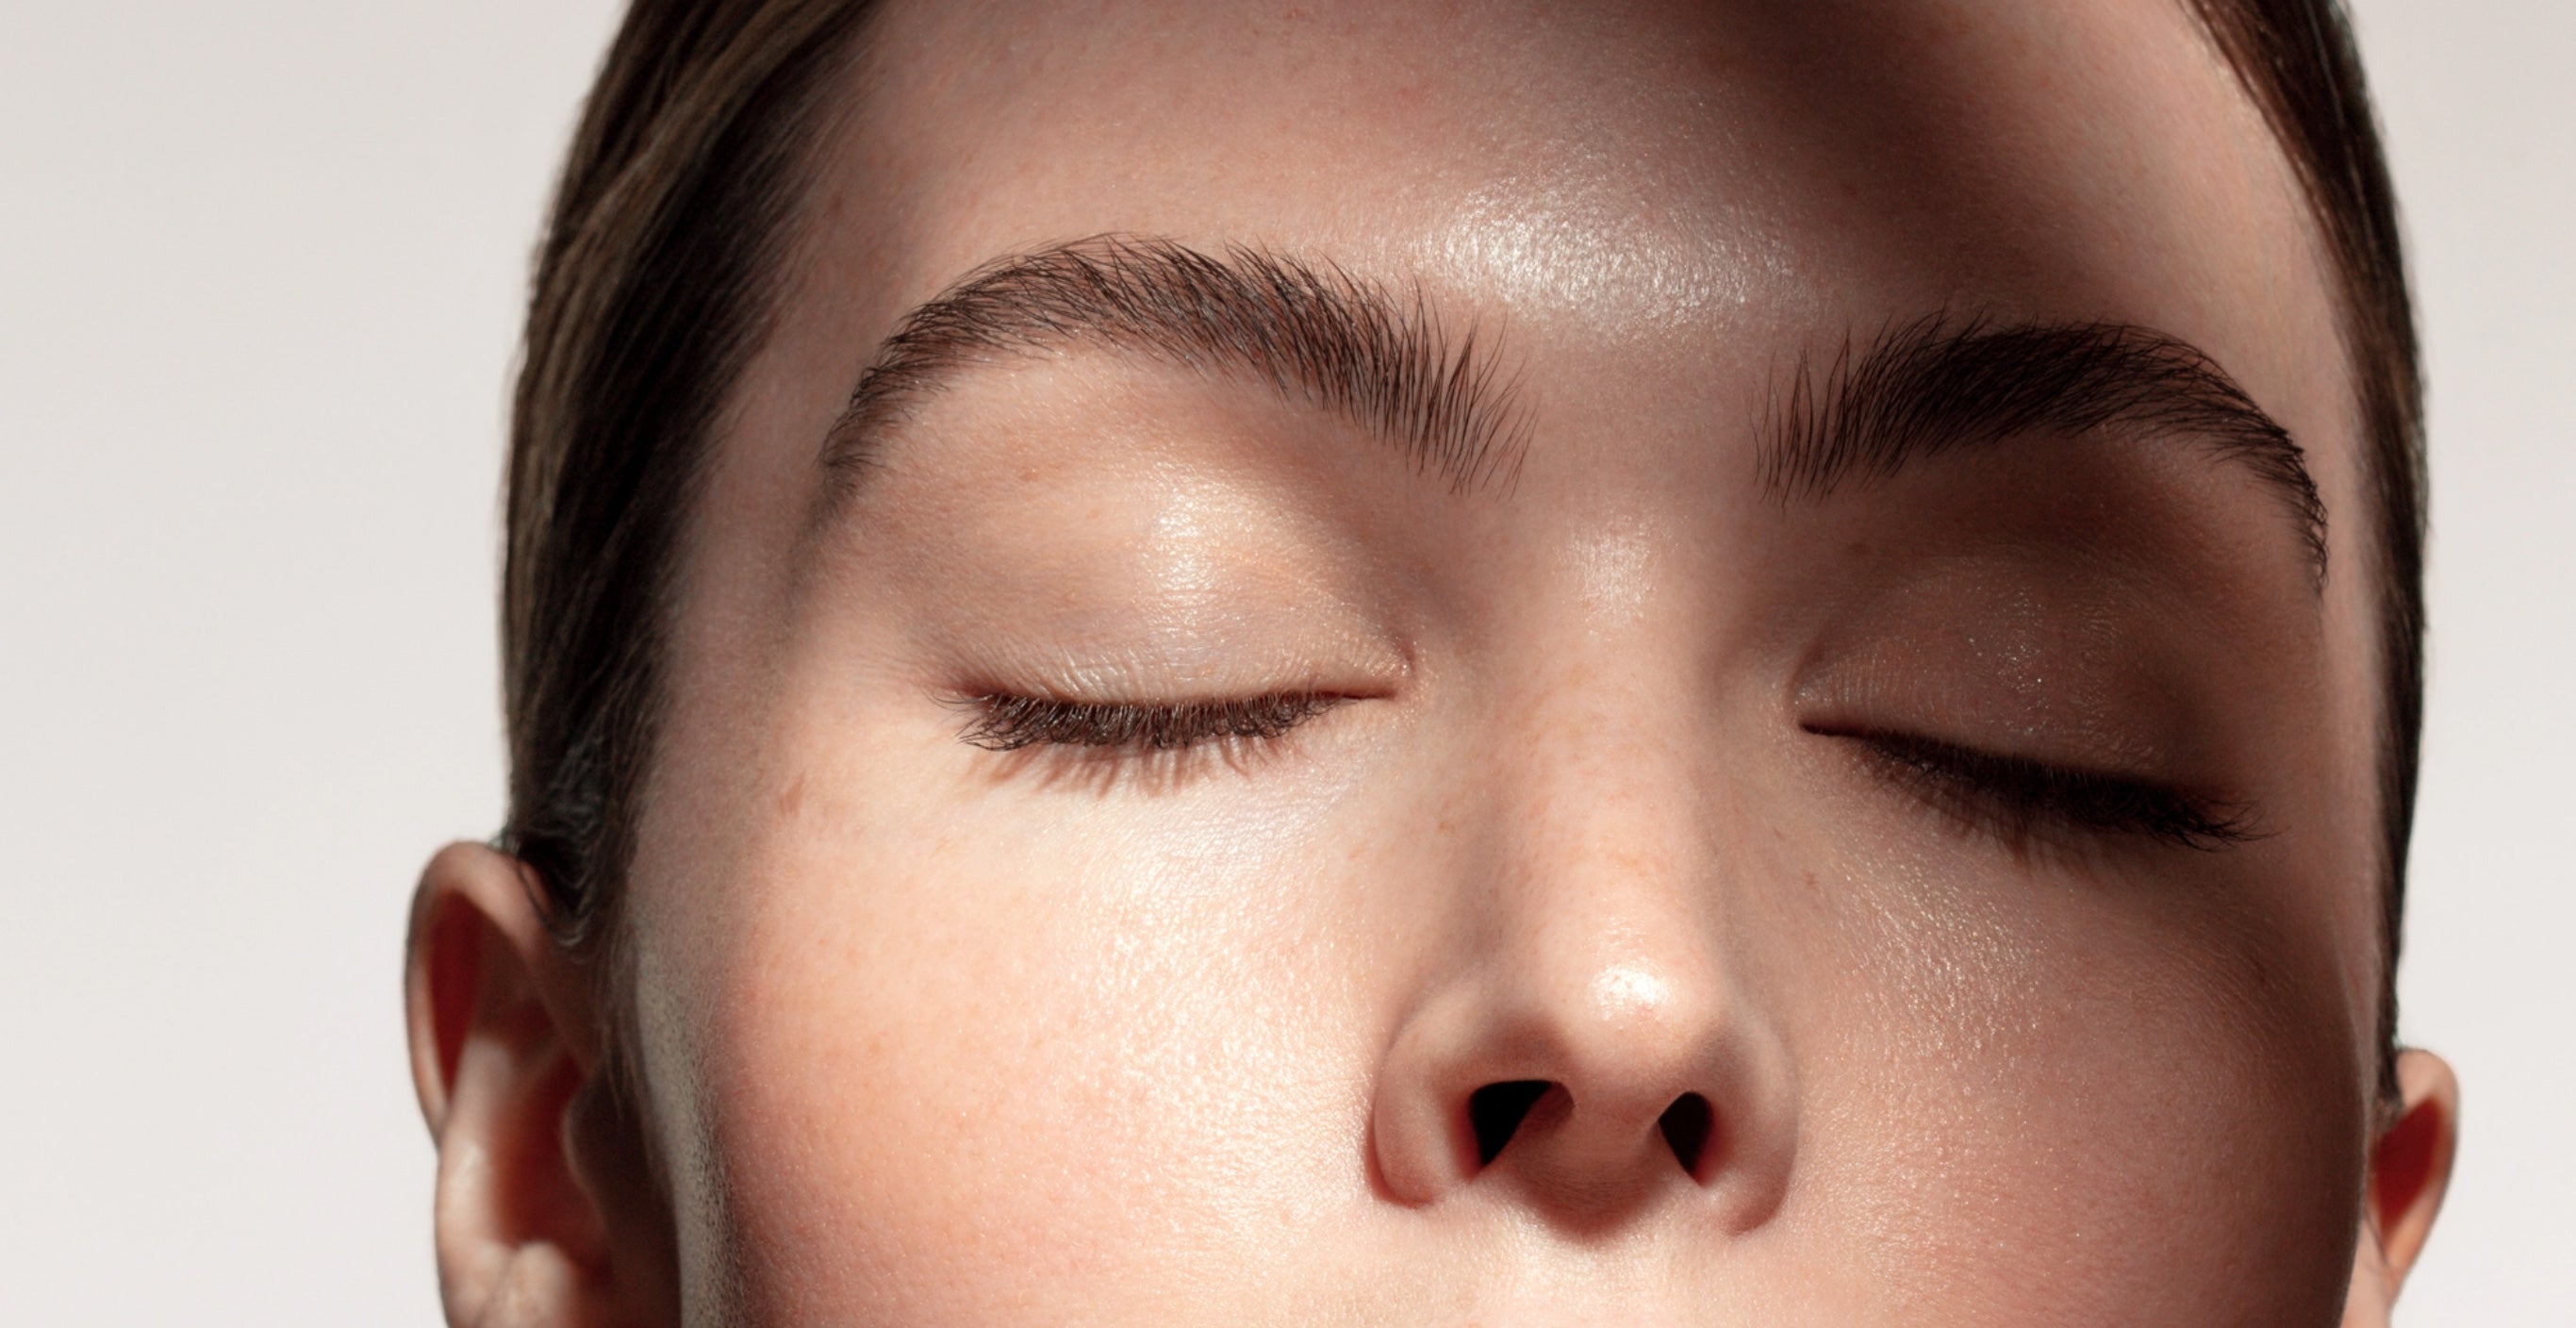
260	270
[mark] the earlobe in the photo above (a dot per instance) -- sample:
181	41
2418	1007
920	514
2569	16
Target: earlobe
503	1046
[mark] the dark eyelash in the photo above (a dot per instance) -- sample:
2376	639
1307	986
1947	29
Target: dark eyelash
1008	723
2013	796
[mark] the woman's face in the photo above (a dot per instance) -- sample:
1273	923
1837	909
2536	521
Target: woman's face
1818	782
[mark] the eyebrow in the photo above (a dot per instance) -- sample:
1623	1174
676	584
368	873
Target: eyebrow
1314	333
1933	386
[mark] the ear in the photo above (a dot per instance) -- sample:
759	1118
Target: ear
2410	1168
547	1213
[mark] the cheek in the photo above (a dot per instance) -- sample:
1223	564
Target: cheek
979	1042
2036	1096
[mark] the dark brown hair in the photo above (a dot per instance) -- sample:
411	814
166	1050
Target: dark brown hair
654	280
650	290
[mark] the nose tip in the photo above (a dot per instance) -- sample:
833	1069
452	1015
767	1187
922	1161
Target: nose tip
1636	1083
1633	1060
1633	1037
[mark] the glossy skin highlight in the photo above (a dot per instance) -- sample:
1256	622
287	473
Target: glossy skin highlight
937	1034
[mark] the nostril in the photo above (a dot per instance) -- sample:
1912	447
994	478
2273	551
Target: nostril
1497	1110
1687	1124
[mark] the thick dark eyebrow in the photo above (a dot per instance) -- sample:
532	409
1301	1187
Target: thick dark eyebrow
1313	332
1934	386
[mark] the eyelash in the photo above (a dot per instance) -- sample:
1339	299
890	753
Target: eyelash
2010	797
1009	723
2016	799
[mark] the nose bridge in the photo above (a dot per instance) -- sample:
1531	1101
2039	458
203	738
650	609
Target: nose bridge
1610	895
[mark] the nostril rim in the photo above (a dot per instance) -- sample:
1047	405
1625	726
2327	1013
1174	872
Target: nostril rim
1497	1110
1687	1124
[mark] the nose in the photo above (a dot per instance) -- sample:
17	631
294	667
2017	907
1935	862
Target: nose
1588	1095
1591	1053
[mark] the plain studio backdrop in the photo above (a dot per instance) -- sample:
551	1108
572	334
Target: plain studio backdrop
261	269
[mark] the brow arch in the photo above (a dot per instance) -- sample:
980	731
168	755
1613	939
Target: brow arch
1311	331
1934	385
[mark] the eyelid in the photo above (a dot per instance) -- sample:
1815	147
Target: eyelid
2013	797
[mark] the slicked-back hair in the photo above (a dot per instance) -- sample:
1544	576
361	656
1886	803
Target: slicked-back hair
651	287
655	278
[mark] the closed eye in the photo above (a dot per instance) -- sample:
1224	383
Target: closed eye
2015	798
1004	722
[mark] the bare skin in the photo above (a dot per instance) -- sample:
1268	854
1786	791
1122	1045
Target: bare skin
1615	770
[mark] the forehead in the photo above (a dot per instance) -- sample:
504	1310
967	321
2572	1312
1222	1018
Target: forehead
1623	179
